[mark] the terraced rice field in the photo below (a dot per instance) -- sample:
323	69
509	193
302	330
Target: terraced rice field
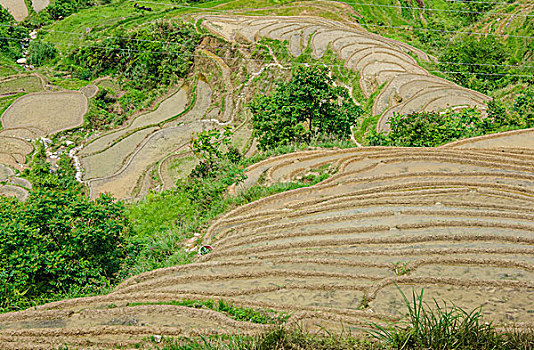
175	167
39	5
17	8
170	107
51	112
31	117
14	191
512	139
18	84
11	185
457	222
117	162
380	61
16	148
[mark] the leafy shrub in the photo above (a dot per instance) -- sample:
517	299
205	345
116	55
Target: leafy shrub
218	168
57	241
428	129
64	8
475	62
101	114
11	48
41	52
523	108
5	16
153	54
308	107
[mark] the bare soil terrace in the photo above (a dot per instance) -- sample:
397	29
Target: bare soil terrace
51	112
455	221
380	61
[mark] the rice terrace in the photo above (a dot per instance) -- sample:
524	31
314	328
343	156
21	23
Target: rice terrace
266	174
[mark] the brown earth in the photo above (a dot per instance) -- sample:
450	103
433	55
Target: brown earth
51	112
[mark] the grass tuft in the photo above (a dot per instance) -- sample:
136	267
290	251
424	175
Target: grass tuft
237	313
447	327
279	337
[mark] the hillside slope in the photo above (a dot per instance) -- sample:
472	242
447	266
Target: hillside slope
453	220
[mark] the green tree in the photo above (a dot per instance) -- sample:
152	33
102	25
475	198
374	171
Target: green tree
57	241
429	129
475	62
306	108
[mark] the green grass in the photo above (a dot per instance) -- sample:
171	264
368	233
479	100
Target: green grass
276	338
163	221
29	83
442	326
8	66
69	83
183	166
237	313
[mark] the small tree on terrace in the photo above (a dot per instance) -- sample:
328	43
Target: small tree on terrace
307	107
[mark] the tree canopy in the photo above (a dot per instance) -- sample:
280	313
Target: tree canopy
154	54
306	108
57	241
476	63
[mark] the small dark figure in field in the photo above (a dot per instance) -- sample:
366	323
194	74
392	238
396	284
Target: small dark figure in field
141	7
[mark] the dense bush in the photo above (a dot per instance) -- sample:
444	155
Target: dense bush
474	9
41	52
154	54
102	113
475	62
60	9
428	129
9	30
308	107
57	241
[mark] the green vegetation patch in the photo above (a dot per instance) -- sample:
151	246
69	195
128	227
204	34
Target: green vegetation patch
440	326
307	108
429	129
154	53
9	30
57	242
237	313
279	337
163	221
